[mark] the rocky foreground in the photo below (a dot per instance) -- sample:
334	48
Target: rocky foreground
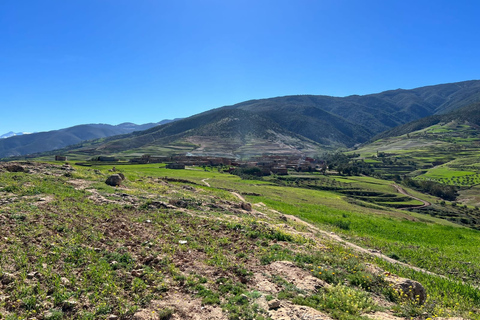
77	243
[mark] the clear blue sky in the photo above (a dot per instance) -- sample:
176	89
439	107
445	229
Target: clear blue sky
71	62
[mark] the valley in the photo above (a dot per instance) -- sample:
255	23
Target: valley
76	248
283	208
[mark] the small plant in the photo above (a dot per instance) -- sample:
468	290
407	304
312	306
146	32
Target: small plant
54	314
341	299
165	314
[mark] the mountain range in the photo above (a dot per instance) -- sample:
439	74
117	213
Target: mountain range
12	134
24	144
306	124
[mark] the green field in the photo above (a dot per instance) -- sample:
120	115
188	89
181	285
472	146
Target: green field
75	248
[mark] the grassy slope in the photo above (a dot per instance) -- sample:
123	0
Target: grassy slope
92	260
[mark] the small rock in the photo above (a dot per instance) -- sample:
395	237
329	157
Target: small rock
121	175
246	206
31	275
114	180
69	304
183	241
137	273
65	281
244	298
274	304
112	317
7	278
145	315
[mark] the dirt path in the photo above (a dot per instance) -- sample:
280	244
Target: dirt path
337	238
206	183
375	253
402	191
239	196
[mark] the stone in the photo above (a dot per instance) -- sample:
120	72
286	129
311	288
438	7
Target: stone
7	278
274	304
145	315
114	180
65	281
246	206
409	288
178	203
69	304
137	273
67	167
121	175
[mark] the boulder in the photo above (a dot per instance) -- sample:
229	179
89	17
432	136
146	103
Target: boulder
114	180
274	304
246	206
408	288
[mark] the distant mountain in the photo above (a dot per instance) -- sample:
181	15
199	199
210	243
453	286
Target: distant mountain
376	112
18	145
12	134
325	122
221	132
301	123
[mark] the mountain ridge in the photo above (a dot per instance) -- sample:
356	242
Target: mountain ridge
321	122
19	145
328	122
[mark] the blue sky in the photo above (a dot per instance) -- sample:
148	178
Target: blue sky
71	62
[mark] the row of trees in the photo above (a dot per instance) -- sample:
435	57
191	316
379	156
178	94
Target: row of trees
344	164
443	191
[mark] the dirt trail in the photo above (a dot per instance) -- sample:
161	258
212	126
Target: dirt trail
337	238
205	181
239	196
375	253
402	191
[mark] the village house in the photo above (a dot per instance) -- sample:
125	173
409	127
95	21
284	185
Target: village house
175	165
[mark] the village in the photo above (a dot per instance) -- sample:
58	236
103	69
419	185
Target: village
268	164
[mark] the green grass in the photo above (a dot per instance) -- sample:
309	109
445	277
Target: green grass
118	257
446	173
